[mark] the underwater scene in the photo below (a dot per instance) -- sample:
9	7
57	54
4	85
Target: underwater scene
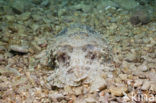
77	51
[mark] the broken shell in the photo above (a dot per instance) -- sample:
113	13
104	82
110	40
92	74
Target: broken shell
19	49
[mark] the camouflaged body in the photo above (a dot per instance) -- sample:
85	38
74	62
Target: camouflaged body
78	54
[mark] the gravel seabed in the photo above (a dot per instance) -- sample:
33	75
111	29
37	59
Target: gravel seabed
25	35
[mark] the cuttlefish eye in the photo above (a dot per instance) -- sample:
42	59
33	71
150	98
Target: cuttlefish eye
62	57
91	55
91	51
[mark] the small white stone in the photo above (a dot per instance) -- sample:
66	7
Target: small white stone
118	91
131	57
153	86
143	68
56	96
20	49
123	76
1	57
98	85
109	75
146	85
138	83
90	100
78	91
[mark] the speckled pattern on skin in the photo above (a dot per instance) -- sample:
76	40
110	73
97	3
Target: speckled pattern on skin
78	55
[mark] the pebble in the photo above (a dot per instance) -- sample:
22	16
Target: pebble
152	76
109	75
68	90
3	70
10	18
25	16
8	55
41	41
125	64
123	76
45	3
153	86
34	27
113	20
2	48
112	28
138	82
36	17
35	47
7	69
56	96
19	49
13	70
90	100
98	85
117	91
143	68
146	85
20	29
1	57
78	90
131	57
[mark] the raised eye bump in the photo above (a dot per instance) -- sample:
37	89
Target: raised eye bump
91	55
88	47
63	58
52	60
66	48
69	48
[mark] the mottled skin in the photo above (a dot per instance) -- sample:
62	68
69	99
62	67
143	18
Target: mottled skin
77	55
